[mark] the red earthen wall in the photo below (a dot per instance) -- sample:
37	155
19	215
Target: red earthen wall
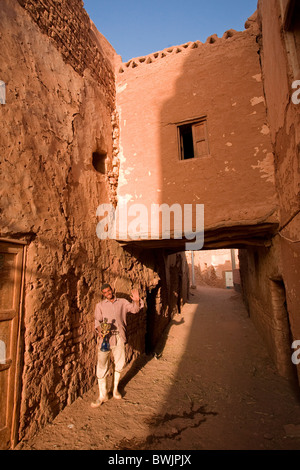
60	88
283	254
60	98
221	80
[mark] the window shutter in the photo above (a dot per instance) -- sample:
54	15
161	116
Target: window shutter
200	139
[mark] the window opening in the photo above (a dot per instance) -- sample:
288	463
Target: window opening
193	140
291	22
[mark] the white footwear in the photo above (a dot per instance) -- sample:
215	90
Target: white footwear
103	396
116	393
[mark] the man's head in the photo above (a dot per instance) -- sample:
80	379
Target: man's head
107	291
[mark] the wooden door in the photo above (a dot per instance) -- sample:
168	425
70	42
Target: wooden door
11	267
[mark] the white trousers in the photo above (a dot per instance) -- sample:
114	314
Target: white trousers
118	353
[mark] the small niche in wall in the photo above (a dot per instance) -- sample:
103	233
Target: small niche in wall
98	160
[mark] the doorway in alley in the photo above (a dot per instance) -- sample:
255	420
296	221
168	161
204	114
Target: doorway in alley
11	276
282	330
150	337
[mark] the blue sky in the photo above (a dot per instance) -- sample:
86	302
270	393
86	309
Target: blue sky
139	27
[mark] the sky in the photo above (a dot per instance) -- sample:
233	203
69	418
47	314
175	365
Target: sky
139	27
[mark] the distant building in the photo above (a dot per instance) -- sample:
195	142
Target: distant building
215	268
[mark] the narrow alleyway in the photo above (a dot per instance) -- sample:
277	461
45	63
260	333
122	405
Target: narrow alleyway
211	386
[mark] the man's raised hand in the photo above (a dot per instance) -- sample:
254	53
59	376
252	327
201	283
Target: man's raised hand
135	295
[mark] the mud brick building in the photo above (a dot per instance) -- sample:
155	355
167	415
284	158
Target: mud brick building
211	124
215	124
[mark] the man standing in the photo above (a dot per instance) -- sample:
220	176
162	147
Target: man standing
114	310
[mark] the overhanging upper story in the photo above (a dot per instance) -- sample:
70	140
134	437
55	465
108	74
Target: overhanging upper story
193	131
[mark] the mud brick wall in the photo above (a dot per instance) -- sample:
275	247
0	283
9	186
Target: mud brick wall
60	110
279	71
69	27
261	272
219	80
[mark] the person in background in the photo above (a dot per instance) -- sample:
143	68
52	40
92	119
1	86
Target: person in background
114	310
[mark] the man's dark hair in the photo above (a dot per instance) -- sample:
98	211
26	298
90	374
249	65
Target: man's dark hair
105	286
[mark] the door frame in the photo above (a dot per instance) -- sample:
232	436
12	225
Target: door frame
19	347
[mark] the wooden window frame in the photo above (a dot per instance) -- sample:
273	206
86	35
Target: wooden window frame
289	8
193	124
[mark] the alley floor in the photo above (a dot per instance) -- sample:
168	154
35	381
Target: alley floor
211	386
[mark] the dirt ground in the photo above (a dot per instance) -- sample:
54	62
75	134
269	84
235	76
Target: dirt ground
211	386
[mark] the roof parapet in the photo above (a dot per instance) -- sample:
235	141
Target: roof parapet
154	56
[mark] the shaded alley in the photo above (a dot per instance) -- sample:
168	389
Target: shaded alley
210	386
